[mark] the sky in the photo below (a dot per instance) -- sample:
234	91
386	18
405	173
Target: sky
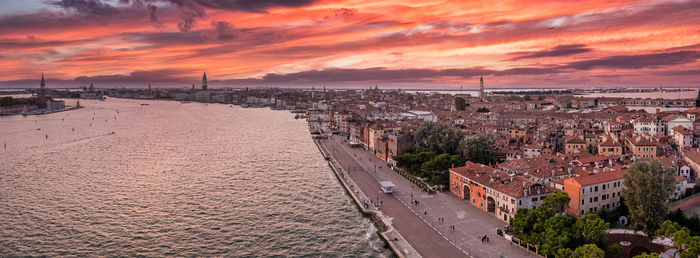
350	43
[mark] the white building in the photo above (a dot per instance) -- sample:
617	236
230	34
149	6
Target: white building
683	136
532	151
419	114
204	96
672	121
649	126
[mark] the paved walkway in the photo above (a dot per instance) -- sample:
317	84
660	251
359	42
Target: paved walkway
686	203
419	223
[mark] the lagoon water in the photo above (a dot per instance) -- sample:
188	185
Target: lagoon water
174	179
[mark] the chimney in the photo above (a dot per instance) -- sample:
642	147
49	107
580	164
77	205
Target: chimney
453	165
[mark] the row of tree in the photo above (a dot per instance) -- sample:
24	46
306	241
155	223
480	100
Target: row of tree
558	234
440	147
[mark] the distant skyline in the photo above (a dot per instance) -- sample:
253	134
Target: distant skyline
351	43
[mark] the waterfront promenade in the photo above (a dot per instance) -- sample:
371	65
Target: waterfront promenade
419	224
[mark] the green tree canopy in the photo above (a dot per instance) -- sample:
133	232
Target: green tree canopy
439	138
647	187
564	253
686	244
413	158
460	104
559	232
613	250
557	201
442	162
478	148
589	251
591	227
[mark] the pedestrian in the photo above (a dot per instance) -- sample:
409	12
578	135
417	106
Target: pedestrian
425	213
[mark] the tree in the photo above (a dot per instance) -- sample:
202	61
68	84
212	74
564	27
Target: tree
522	221
478	148
668	228
442	162
591	227
685	244
646	255
544	227
413	158
460	104
613	250
564	253
7	101
647	187
559	232
527	97
439	138
589	251
692	223
423	132
557	201
483	110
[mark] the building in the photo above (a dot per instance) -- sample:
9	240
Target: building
481	88
396	143
649	126
608	146
641	147
675	120
202	96
594	191
683	136
204	81
532	150
91	93
419	114
574	144
42	90
495	191
680	185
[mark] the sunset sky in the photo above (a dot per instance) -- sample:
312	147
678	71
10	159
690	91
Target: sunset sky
350	43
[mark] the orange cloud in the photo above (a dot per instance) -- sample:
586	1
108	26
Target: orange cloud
520	43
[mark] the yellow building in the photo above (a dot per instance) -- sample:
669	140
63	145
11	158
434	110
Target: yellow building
607	146
641	147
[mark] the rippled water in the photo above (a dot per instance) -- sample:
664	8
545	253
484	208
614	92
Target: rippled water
174	179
